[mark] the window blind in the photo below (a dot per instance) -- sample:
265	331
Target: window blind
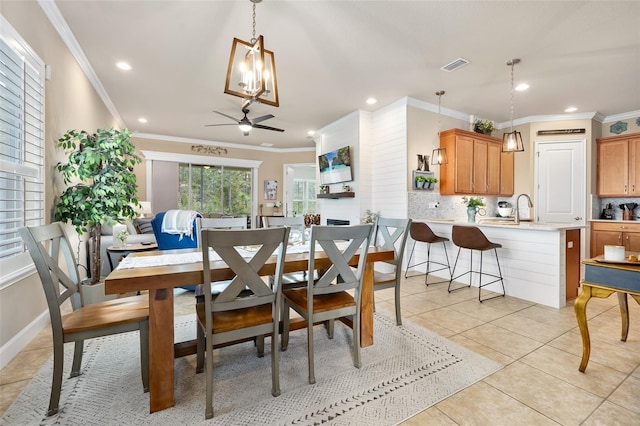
21	144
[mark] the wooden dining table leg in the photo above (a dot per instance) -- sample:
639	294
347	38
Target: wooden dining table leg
161	363
366	309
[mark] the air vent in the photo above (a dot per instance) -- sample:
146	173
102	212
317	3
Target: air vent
460	62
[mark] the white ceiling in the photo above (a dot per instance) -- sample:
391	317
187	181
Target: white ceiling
332	55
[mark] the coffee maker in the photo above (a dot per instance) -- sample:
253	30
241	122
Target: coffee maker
607	212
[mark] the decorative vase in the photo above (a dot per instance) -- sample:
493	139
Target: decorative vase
471	214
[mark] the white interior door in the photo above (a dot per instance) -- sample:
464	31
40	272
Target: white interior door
561	181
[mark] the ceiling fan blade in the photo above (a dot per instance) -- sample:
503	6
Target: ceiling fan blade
260	126
262	118
214	125
228	116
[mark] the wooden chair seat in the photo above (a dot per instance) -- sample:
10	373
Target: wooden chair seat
106	314
321	302
235	320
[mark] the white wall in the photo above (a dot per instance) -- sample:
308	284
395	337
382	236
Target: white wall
344	132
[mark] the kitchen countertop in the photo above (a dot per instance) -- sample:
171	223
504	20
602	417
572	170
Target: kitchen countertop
615	221
500	223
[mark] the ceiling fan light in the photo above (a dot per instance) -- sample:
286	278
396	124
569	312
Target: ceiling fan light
245	128
512	142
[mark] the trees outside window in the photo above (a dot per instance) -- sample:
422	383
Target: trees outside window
215	189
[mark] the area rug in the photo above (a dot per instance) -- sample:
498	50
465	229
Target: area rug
407	370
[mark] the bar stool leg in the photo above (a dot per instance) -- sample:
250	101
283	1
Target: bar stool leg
409	265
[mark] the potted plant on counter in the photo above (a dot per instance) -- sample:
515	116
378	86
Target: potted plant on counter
103	163
473	206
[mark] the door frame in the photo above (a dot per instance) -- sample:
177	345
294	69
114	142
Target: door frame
287	187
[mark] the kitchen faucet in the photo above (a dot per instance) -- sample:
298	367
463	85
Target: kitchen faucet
517	218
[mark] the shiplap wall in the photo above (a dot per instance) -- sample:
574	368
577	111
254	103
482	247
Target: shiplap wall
389	160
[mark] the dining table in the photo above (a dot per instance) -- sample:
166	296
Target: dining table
160	280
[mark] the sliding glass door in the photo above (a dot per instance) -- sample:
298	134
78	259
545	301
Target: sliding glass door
223	190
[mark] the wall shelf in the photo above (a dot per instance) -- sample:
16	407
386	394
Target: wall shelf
336	195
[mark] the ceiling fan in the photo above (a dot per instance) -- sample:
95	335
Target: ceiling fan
246	124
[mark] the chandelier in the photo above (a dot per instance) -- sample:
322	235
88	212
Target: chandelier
512	141
251	74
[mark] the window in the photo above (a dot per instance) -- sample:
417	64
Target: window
215	189
304	196
21	140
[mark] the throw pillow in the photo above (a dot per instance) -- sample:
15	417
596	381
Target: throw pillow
144	226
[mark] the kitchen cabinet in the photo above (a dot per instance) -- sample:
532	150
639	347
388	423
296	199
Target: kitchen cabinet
619	166
616	234
475	165
506	173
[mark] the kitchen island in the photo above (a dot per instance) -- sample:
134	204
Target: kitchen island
540	262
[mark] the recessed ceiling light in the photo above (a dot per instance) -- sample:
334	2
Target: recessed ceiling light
571	109
522	86
124	66
311	132
371	101
142	120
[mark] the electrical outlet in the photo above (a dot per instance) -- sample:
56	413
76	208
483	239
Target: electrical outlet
434	205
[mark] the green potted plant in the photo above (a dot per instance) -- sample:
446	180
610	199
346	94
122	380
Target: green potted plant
430	182
485	127
473	206
103	163
420	181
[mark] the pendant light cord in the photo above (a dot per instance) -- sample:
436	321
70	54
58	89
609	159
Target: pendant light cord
513	64
253	40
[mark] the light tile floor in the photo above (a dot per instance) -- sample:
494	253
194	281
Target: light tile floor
540	348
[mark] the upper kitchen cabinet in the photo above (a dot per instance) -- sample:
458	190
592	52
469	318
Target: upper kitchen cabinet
619	166
475	165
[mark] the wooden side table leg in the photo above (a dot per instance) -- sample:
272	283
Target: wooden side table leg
624	314
580	307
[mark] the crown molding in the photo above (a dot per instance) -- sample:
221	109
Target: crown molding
199	159
57	20
427	106
178	139
623	116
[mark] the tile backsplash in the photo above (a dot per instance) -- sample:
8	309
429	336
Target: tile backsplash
597	204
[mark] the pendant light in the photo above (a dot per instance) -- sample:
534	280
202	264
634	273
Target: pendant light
512	141
439	155
251	74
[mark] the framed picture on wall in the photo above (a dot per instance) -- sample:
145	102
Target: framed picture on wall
270	189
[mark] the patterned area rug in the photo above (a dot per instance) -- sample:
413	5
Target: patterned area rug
407	370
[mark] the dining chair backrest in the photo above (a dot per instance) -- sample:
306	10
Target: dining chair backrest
45	244
296	223
247	287
223	223
391	234
168	241
339	243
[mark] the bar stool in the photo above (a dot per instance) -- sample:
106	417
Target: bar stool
421	232
472	238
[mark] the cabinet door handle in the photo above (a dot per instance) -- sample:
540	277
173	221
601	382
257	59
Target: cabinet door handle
619	238
625	188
